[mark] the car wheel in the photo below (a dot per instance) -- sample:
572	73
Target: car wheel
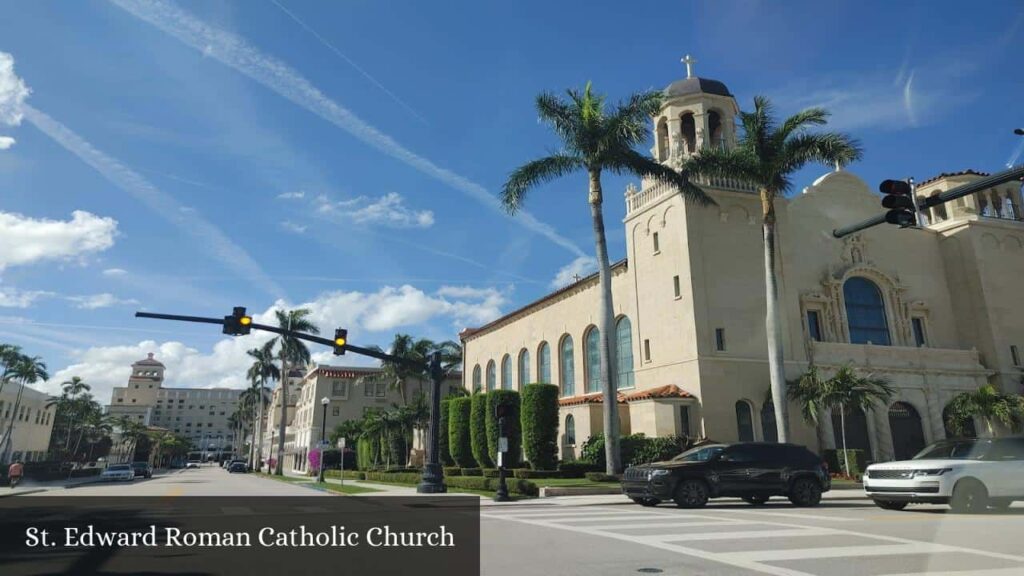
890	505
756	500
805	492
969	496
691	494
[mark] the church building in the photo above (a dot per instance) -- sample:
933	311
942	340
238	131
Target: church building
934	310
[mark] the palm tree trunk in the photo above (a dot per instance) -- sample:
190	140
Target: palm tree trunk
605	326
773	328
8	438
279	465
259	425
842	426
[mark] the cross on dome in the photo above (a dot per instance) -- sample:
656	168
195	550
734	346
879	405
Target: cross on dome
689	61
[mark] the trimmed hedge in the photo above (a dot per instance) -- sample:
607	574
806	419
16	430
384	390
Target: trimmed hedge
515	485
442	437
858	461
600	477
472	472
490	472
349	474
367	453
539	421
452	471
577	468
459	438
526	473
478	430
634	448
509	398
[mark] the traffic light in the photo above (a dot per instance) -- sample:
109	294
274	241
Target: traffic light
899	200
239	323
340	339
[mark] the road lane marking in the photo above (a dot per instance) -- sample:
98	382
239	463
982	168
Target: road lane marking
661	525
839	552
798	515
744	534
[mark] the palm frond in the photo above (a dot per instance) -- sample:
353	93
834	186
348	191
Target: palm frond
559	115
826	148
628	123
629	161
718	163
533	174
800	121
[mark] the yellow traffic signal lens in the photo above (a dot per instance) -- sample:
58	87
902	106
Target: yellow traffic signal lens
245	320
339	342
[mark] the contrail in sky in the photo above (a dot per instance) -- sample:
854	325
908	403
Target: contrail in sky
233	257
236	52
341	55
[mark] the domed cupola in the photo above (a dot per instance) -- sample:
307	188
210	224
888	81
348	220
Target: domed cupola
696	112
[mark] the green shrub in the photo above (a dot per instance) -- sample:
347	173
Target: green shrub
576	468
600	477
657	449
858	461
398	478
459	438
509	398
367	453
442	436
515	485
349	474
478	430
472	472
539	421
452	471
526	473
634	449
490	472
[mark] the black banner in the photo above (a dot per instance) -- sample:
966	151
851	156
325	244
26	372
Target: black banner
239	535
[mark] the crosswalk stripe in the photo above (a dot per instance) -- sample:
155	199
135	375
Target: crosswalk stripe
664	525
839	551
796	515
968	572
741	534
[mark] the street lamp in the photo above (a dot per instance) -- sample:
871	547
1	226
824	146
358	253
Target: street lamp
323	435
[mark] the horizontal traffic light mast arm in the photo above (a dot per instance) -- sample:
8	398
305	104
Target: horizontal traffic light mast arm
1015	173
300	335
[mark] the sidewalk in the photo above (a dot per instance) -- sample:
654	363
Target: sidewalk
33	486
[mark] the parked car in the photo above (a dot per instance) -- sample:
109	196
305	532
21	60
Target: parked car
753	471
192	464
969	474
118	472
142	469
238	466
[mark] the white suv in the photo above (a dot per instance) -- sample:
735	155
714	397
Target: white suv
968	474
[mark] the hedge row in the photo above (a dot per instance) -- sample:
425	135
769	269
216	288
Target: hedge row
442	437
460	445
539	413
478	430
635	449
510	399
515	485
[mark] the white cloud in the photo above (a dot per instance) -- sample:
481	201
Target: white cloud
6	142
113	272
379	313
582	266
293	227
13	92
388	210
104	300
292	195
236	52
11	297
25	240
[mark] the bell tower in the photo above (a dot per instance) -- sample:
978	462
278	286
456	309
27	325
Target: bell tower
696	113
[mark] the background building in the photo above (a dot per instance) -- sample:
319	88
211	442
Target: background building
934	310
200	414
25	424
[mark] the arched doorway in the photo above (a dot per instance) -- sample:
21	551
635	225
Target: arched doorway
856	430
907	432
769	431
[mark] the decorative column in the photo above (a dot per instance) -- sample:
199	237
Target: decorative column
881	433
933	402
675	137
700	126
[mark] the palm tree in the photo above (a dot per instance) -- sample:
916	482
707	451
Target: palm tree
806	392
766	156
26	370
411	350
9	355
595	140
262	370
845	390
291	351
988	404
71	389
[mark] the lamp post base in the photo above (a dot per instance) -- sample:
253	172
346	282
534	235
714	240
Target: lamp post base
433	480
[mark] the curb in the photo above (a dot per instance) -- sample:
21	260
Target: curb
23	492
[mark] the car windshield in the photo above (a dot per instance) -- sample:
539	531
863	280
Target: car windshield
118	468
955	450
699	454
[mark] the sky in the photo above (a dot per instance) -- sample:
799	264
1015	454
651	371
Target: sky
187	157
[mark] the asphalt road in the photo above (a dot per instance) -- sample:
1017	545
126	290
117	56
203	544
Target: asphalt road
205	481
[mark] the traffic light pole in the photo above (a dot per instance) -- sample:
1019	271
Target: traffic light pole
433	477
1015	173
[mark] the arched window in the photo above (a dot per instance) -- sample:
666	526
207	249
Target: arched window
476	378
506	373
865	312
593	351
769	431
544	363
624	351
490	375
570	430
689	130
662	139
566	367
715	129
744	421
524	368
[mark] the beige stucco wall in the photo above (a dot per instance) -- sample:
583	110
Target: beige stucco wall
32	422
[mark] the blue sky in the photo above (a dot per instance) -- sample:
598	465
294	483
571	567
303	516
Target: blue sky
346	155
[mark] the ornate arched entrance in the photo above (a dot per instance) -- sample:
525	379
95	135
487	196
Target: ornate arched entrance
907	432
856	431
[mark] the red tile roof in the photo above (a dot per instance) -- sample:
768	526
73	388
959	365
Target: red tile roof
666	391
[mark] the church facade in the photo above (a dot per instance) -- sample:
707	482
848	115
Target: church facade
933	309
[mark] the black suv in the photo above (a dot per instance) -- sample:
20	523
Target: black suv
753	471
